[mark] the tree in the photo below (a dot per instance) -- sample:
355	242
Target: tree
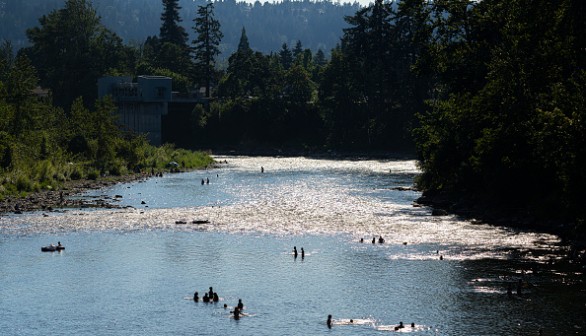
206	44
171	31
286	56
71	50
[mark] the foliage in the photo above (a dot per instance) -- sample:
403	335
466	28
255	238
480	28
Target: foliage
206	45
71	50
508	107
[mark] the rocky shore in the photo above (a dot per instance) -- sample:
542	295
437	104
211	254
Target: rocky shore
49	200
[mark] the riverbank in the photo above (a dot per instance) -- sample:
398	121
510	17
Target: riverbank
48	200
482	211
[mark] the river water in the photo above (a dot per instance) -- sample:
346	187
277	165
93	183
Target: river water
133	271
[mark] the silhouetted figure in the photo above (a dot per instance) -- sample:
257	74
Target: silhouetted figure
362	240
373	240
206	298
196	297
211	293
240	304
401	326
295	251
202	182
262	169
329	321
236	313
412	324
225	306
381	240
441	257
216	298
207	181
302	253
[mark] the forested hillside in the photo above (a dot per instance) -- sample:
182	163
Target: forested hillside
318	24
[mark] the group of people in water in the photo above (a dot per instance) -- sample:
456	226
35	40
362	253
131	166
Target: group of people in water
212	296
329	323
381	240
295	252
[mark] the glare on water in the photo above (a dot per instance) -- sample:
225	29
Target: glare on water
138	261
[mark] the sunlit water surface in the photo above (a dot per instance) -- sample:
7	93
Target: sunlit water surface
132	271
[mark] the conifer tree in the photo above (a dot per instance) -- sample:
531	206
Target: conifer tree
171	31
206	44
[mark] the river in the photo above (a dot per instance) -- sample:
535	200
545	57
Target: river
133	271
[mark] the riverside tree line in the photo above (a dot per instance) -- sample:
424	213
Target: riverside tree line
488	94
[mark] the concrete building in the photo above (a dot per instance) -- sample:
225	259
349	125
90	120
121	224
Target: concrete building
141	104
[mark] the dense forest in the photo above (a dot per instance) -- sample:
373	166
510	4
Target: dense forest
490	95
318	24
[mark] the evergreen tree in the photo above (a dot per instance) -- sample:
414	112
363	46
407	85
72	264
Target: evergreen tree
206	44
286	56
171	31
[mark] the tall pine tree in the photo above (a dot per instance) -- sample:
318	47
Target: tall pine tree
205	46
171	31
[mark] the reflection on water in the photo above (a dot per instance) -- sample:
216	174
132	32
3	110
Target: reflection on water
141	265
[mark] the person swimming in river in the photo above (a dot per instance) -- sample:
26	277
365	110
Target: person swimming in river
329	321
401	326
216	298
196	297
240	304
206	298
202	182
295	251
302	253
373	240
262	169
381	240
236	312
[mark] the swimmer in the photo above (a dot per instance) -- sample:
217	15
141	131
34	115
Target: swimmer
240	304
216	298
202	182
302	253
207	181
211	293
236	313
373	240
351	321
441	257
362	240
196	297
225	306
262	169
295	251
401	326
412	324
206	298
329	321
381	240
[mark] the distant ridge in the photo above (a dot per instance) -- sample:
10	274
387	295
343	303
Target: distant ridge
318	25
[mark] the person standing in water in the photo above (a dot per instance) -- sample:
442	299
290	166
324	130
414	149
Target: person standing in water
240	304
302	253
196	297
262	169
295	251
329	321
